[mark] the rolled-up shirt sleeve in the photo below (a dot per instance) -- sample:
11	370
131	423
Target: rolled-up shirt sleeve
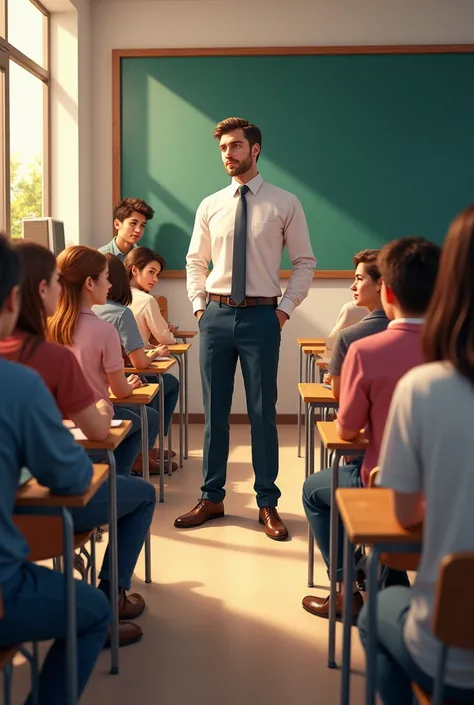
198	259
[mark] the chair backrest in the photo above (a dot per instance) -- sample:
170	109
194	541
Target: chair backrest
373	476
453	615
163	304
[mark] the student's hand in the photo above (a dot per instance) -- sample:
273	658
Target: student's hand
135	381
162	351
199	313
327	378
171	328
282	317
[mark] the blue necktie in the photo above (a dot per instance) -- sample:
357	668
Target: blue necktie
239	257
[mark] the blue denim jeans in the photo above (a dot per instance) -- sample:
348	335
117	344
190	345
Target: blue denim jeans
317	505
396	668
34	605
136	501
128	450
171	392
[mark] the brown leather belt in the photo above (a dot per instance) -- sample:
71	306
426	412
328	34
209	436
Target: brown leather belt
248	301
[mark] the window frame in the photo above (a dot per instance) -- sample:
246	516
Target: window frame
8	52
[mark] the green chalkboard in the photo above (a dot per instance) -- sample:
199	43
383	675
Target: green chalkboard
375	146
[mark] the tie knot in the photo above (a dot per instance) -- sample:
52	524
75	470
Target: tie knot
244	189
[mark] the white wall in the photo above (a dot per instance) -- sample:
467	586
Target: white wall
205	23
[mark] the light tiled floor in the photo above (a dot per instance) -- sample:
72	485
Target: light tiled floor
224	623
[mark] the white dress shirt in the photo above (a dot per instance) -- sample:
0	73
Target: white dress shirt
349	315
275	218
149	319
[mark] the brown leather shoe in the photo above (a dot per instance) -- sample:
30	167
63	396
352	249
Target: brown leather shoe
202	512
129	633
319	606
130	606
156	453
154	465
274	526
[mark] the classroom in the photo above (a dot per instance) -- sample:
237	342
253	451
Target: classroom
343	416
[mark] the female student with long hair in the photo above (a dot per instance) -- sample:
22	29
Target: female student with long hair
65	380
116	311
95	343
427	460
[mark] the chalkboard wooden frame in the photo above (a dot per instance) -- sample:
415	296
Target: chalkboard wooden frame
118	54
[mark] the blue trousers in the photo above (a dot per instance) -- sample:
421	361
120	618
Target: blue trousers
317	505
396	668
171	392
34	605
136	501
251	335
130	447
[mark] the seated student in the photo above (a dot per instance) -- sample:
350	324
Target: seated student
116	312
366	287
426	459
65	380
370	373
32	434
96	343
349	315
143	268
130	218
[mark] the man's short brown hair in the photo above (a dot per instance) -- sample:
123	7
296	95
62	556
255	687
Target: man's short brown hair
251	132
369	258
127	206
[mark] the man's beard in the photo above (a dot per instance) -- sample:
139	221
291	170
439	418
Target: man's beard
240	168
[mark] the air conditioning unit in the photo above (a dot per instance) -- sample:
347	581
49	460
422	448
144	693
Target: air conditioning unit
45	231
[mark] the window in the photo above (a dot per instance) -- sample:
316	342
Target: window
24	115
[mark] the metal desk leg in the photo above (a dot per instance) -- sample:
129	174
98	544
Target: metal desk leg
71	628
181	407
113	559
310	456
333	562
186	399
347	617
146	477
170	449
300	379
371	654
162	439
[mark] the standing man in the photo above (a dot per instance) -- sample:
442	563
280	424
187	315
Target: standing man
243	229
130	218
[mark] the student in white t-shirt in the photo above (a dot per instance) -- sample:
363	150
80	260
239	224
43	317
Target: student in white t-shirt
349	315
427	459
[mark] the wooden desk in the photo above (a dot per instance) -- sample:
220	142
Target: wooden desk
114	438
311	341
368	517
157	367
317	347
184	334
141	395
33	498
331	441
314	396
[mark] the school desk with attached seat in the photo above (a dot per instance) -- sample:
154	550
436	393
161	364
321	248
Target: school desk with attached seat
301	378
331	441
368	517
34	499
314	396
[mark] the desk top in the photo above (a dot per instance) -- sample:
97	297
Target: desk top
179	348
332	440
315	392
157	367
114	438
184	333
141	395
369	518
313	349
311	341
32	494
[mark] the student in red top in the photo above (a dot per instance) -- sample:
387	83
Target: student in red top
371	371
64	378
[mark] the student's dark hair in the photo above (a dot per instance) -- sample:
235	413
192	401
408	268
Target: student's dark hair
39	264
140	257
409	266
251	132
120	290
127	206
10	268
448	331
369	258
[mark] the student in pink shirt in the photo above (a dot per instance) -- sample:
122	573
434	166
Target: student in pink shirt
371	371
96	343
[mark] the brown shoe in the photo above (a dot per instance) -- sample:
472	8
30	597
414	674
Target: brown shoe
153	465
155	453
202	512
319	606
129	633
274	526
130	606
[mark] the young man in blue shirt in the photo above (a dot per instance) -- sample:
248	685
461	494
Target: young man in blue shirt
130	218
